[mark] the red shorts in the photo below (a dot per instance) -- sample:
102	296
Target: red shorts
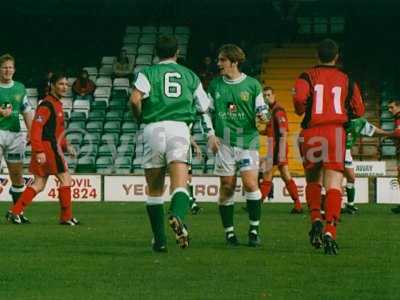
55	162
323	146
279	158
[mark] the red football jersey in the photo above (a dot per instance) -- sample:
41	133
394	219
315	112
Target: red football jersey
278	122
48	126
326	95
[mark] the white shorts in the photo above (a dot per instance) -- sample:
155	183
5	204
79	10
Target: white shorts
12	146
348	159
228	158
165	142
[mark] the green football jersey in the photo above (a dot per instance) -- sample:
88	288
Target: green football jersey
169	90
356	128
13	94
236	104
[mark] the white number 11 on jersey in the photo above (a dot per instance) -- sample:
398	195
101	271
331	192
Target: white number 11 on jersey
319	91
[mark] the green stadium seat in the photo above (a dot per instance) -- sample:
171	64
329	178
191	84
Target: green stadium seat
75	138
388	151
77	116
123	165
104	165
127	139
137	167
386	116
96	115
117	105
114	116
128	116
71	162
109	138
119	93
389	126
129	127
126	150
28	150
112	127
91	138
88	150
94	127
86	165
98	105
78	126
107	150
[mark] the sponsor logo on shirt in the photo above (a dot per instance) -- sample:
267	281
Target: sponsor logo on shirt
244	96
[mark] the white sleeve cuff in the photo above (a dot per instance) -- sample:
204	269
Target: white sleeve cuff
143	85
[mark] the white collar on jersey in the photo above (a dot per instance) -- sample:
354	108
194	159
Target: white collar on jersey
7	85
234	81
167	61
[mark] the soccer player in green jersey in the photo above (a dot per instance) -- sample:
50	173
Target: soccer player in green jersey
13	102
165	98
354	129
237	104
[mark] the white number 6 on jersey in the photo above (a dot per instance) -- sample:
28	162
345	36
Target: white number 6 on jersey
172	89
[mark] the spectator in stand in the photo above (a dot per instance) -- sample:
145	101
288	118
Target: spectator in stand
44	85
207	71
123	67
83	87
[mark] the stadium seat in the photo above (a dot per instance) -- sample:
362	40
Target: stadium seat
81	105
126	150
130	49
71	162
67	103
103	82
145	49
68	93
155	60
209	167
91	138
165	30
131	39
132	29
106	70
128	116
77	116
112	126
117	105
99	105
144	59
102	92
76	126
88	150
92	71
86	165
94	127
28	150
149	29
71	81
389	126
129	127
123	165
119	93
320	25
304	25
337	25
108	60
147	39
127	139
32	92
182	30
182	39
137	167
104	165
75	138
114	115
96	115
121	83
388	151
386	116
109	138
107	150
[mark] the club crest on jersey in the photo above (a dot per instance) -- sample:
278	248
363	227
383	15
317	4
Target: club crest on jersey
232	108
39	119
244	96
18	97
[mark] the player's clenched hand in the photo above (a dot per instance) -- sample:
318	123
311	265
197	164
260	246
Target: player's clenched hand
41	158
71	151
214	143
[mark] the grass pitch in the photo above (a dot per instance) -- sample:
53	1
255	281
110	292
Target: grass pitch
109	257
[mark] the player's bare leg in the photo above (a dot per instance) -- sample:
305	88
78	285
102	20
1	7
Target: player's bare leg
350	208
15	170
38	184
226	208
291	187
155	179
180	201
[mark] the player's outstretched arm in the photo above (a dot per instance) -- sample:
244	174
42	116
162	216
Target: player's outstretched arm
136	100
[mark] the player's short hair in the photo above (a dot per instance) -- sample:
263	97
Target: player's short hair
6	57
327	50
268	88
56	77
395	101
166	46
232	52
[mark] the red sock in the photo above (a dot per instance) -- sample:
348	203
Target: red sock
24	200
64	194
313	197
333	205
292	189
265	188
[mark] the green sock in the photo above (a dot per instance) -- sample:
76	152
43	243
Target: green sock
156	216
254	209
15	192
351	193
226	212
180	204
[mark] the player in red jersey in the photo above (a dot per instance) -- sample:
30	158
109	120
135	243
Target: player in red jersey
394	108
48	143
277	132
327	97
